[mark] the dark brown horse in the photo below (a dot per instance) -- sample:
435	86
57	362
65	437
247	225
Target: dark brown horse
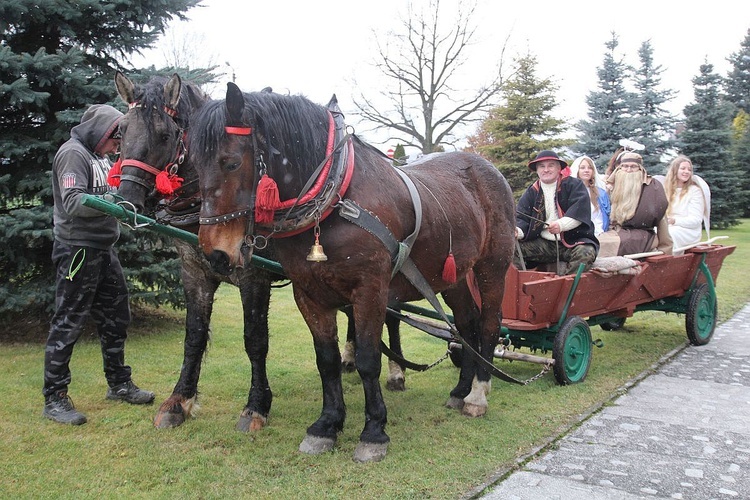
154	144
280	166
153	154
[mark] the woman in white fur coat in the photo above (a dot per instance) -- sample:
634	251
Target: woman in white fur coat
689	203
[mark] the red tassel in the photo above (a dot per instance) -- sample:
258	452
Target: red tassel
113	177
449	269
176	182
266	200
163	184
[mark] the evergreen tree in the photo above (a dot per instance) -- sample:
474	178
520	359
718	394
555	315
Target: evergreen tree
514	132
741	156
738	93
609	114
738	78
399	155
56	59
707	141
653	124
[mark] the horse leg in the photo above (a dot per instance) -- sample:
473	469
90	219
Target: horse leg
347	357
491	286
199	292
466	316
255	290
396	380
373	441
321	435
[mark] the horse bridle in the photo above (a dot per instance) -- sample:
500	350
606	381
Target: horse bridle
325	191
170	168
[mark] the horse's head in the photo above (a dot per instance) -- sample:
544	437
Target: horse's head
224	148
245	144
153	138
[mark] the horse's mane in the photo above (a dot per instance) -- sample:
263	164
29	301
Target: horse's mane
287	125
151	96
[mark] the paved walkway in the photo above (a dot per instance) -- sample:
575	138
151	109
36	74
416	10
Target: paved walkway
681	433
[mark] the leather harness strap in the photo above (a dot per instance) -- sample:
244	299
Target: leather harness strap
349	210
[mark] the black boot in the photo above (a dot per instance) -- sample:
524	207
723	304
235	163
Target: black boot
130	393
59	407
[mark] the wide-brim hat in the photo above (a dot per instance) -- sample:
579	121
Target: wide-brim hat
546	155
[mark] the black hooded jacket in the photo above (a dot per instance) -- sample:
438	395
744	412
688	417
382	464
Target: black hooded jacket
78	170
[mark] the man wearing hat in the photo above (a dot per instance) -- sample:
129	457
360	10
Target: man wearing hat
553	218
638	221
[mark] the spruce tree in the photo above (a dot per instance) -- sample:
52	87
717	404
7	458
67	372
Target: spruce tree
653	123
609	109
707	141
738	78
738	93
514	132
56	59
741	157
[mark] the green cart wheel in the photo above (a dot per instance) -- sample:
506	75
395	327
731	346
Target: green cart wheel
700	318
572	351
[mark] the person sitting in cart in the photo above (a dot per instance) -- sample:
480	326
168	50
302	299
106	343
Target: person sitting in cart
638	222
553	219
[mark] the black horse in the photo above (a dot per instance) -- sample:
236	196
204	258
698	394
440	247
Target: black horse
280	166
154	167
154	147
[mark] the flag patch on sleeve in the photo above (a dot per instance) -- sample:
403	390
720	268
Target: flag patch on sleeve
68	180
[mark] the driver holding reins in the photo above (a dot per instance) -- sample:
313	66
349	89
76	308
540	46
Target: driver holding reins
553	219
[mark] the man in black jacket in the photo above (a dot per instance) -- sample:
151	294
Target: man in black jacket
553	218
89	281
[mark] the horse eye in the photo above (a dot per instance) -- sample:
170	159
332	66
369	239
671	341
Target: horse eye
232	166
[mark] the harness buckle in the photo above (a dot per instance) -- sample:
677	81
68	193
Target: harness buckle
349	209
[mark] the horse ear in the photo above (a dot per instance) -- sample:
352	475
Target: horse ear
125	87
235	104
333	105
172	91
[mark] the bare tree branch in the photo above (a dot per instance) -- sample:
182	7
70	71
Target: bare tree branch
419	105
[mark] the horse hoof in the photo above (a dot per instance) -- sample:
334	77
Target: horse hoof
347	367
472	410
370	452
314	445
251	421
170	417
454	403
396	384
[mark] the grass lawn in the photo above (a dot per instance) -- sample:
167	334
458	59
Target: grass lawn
434	452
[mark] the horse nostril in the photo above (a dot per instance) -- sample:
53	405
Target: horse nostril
219	262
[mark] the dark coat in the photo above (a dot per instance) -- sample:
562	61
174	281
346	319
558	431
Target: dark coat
572	200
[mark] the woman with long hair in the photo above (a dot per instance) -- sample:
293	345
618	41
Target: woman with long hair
584	169
687	203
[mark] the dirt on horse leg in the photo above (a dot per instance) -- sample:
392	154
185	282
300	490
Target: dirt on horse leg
475	404
395	381
347	357
175	410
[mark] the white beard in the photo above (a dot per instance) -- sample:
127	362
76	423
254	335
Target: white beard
625	195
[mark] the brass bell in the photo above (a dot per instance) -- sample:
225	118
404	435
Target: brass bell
316	252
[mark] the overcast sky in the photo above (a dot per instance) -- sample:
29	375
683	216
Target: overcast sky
319	47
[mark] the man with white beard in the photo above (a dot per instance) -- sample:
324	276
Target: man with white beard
638	221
